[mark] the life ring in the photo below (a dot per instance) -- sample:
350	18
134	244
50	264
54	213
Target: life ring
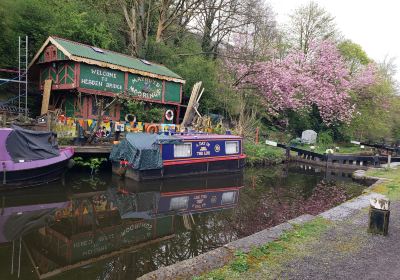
130	118
169	115
153	128
62	118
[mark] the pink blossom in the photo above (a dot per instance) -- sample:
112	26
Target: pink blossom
299	81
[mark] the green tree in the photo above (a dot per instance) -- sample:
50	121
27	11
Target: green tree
353	54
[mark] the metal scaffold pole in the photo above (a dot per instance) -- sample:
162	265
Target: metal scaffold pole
26	77
22	78
19	75
23	75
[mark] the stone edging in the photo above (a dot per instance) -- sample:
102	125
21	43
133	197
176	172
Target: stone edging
221	256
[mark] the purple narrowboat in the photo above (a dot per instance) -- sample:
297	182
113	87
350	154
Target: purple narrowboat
29	158
144	156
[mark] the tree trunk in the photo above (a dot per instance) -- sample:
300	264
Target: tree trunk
207	40
160	29
162	20
131	20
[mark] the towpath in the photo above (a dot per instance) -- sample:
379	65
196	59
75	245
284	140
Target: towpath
344	251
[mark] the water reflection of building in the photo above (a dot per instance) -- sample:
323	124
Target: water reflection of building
99	226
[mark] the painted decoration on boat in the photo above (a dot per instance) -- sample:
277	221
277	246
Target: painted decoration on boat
202	149
200	201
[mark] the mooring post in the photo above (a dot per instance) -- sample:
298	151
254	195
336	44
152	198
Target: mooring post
389	159
379	216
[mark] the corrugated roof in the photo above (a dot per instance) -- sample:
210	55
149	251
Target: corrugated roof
109	57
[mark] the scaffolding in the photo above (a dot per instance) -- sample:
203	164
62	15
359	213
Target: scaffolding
21	79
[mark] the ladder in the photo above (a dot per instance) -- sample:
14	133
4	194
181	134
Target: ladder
23	75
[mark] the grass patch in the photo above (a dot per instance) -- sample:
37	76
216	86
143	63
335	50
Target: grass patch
390	187
271	254
262	154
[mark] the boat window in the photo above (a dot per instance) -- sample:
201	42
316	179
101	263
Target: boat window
179	203
183	150
228	197
231	147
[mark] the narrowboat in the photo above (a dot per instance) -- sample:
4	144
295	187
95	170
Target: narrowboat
29	158
142	156
176	196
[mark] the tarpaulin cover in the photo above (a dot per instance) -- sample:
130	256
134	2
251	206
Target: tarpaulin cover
23	144
142	150
19	225
134	205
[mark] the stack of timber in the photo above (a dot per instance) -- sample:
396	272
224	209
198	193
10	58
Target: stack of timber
193	104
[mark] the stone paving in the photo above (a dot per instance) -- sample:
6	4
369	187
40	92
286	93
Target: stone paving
345	251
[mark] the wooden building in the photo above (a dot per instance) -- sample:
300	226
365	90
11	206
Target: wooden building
80	73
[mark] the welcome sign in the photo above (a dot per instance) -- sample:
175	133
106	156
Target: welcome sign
137	86
103	79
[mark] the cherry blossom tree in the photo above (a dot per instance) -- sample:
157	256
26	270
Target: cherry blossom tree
299	81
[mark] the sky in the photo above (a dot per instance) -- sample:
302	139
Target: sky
370	23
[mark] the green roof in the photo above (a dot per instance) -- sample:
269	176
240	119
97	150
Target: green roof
86	51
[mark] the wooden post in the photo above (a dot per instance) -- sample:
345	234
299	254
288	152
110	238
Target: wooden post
379	216
257	135
46	97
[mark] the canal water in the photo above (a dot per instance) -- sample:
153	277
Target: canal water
102	227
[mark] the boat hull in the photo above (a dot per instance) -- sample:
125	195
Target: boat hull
182	169
37	175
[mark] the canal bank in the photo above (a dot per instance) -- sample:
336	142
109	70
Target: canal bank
332	245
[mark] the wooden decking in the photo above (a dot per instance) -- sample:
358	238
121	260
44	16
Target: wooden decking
91	149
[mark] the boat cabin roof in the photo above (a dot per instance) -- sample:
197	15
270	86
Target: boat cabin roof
208	137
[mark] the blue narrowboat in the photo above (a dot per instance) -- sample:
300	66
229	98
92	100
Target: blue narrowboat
142	156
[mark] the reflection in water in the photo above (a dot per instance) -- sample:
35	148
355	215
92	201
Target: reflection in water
121	229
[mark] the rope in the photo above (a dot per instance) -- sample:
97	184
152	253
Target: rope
12	259
19	257
4	173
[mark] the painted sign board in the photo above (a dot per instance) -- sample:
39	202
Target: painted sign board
172	92
145	87
103	79
87	245
271	143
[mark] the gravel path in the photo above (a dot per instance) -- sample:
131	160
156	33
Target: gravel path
345	251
